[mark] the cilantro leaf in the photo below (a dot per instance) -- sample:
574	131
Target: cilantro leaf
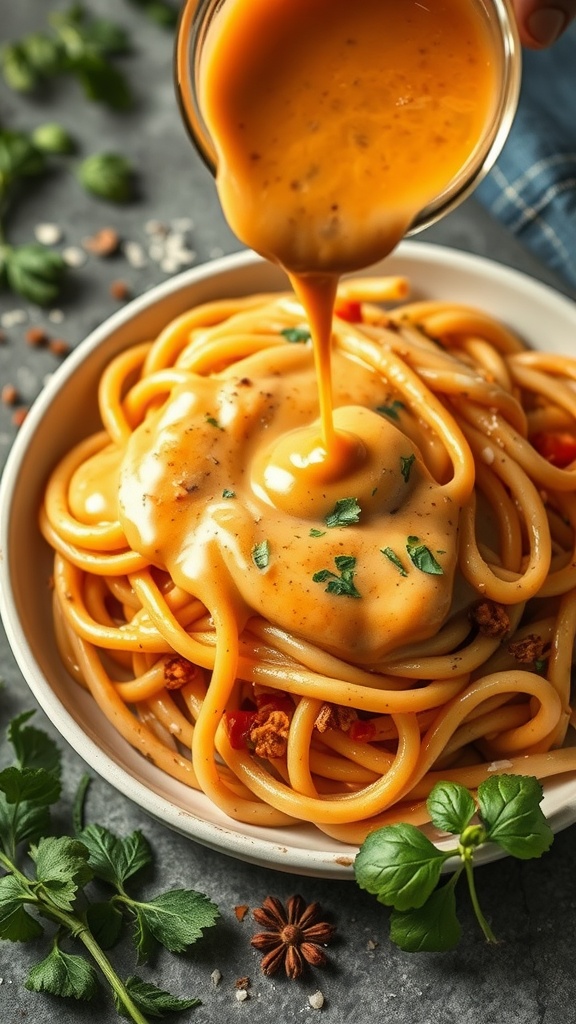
16	924
399	865
342	585
261	555
345	512
177	918
431	928
62	868
33	747
20	823
509	807
105	922
227	493
63	974
114	859
152	1000
422	557
451	806
393	557
29	784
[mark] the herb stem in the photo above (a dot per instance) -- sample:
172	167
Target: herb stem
79	930
486	929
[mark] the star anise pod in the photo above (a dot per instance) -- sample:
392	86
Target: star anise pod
293	935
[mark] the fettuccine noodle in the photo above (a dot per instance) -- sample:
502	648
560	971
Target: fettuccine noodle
326	654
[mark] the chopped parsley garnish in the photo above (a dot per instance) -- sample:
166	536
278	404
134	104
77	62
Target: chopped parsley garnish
406	463
296	335
228	494
346	511
422	557
391	410
393	557
261	555
213	422
342	585
317	533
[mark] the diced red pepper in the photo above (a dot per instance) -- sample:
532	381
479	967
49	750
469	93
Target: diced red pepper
558	447
238	725
362	731
349	310
275	702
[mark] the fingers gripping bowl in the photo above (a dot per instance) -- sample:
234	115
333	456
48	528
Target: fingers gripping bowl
67	411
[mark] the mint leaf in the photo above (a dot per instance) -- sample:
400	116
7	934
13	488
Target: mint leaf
422	557
177	918
399	865
16	924
451	806
152	1000
113	859
62	868
509	806
345	512
63	974
105	922
431	928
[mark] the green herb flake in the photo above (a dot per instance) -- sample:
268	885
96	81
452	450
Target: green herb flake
228	494
392	410
341	585
393	557
422	557
261	555
317	533
406	463
213	422
296	335
346	512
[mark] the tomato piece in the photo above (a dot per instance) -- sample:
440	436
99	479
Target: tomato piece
275	702
362	731
556	446
238	726
349	310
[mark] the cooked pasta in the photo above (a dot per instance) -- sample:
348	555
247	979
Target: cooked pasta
309	646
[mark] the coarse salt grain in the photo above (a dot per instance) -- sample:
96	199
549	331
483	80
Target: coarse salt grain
498	766
488	456
56	316
183	224
316	1000
169	266
242	995
216	252
216	978
155	227
13	317
48	234
73	256
135	255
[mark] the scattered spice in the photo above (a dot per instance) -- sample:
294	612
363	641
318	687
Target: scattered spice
241	911
242	983
177	672
293	937
120	290
530	648
491	618
334	716
36	337
9	395
104	243
58	347
19	415
269	733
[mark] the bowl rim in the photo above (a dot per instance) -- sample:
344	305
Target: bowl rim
261	851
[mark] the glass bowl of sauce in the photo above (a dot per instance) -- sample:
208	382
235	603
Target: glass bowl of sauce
334	129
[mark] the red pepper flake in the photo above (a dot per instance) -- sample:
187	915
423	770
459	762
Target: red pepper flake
19	415
120	290
104	243
241	910
349	310
36	337
556	446
361	731
9	395
238	724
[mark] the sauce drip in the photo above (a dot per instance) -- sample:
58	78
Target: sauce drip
335	124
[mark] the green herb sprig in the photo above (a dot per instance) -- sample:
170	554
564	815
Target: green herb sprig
402	867
59	889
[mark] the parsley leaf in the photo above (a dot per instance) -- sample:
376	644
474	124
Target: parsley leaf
261	555
63	974
406	463
33	747
112	859
431	928
296	335
346	511
228	494
509	807
16	924
317	533
108	176
61	868
392	410
176	918
153	1001
393	557
422	557
342	585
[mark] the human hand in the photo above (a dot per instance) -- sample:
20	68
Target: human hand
539	23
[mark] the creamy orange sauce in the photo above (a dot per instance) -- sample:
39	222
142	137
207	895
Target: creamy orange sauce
334	125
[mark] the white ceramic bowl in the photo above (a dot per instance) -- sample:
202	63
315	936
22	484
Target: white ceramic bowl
67	410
